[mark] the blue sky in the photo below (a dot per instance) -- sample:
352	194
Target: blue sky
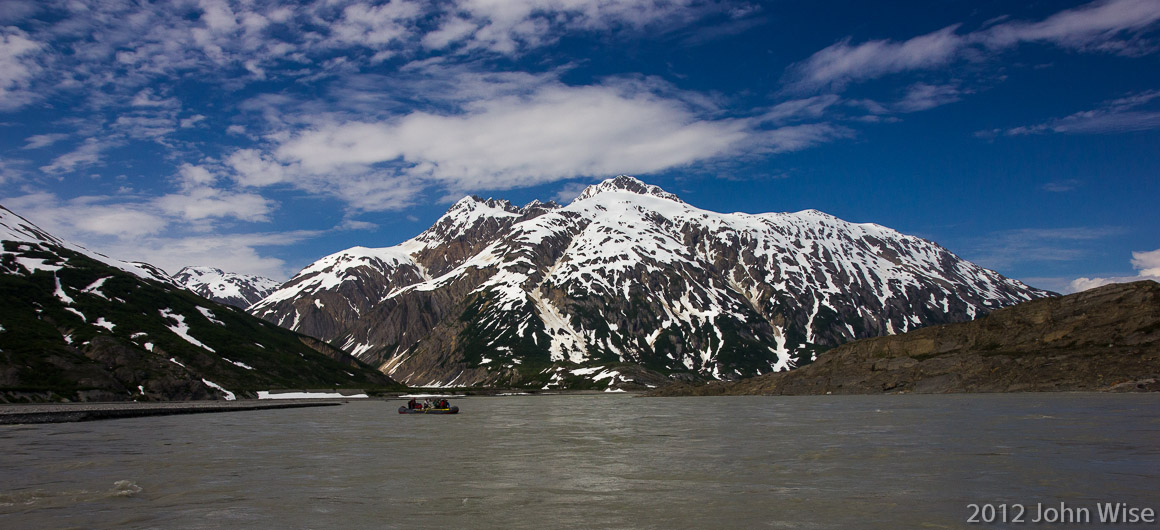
258	136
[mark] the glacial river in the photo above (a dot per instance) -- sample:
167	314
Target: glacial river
595	461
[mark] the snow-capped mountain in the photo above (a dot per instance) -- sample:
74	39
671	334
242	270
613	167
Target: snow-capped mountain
238	290
626	281
78	325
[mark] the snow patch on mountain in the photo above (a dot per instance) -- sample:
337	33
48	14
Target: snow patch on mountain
181	329
208	314
229	396
95	288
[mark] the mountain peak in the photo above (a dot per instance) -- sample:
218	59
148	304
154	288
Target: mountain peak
238	290
625	183
199	270
472	202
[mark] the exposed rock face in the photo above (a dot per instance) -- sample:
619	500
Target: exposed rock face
78	326
238	290
626	273
1103	339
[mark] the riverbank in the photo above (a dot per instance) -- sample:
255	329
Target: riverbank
73	412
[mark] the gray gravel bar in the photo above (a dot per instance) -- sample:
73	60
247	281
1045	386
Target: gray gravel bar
70	412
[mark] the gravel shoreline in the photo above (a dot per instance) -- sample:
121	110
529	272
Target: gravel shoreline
72	412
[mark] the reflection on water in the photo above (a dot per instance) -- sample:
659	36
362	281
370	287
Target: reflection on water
589	461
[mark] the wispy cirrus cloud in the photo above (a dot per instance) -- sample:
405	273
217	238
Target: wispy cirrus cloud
842	63
89	153
1136	112
38	141
924	96
1111	26
1061	186
1004	250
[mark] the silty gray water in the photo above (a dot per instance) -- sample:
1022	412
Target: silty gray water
590	462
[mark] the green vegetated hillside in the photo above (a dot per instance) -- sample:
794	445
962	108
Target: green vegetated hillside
1107	338
74	328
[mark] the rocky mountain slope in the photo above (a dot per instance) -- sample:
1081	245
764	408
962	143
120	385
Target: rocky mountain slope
1107	338
77	325
238	290
623	287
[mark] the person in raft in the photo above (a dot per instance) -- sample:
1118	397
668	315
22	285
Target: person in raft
412	404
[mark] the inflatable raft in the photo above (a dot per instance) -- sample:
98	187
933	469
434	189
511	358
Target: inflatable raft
452	410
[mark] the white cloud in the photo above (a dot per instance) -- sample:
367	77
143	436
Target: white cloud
192	121
198	199
146	98
18	65
481	131
85	155
191	176
369	191
251	168
124	46
1146	263
512	26
85	218
145	127
556	133
452	29
204	202
376	26
38	141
